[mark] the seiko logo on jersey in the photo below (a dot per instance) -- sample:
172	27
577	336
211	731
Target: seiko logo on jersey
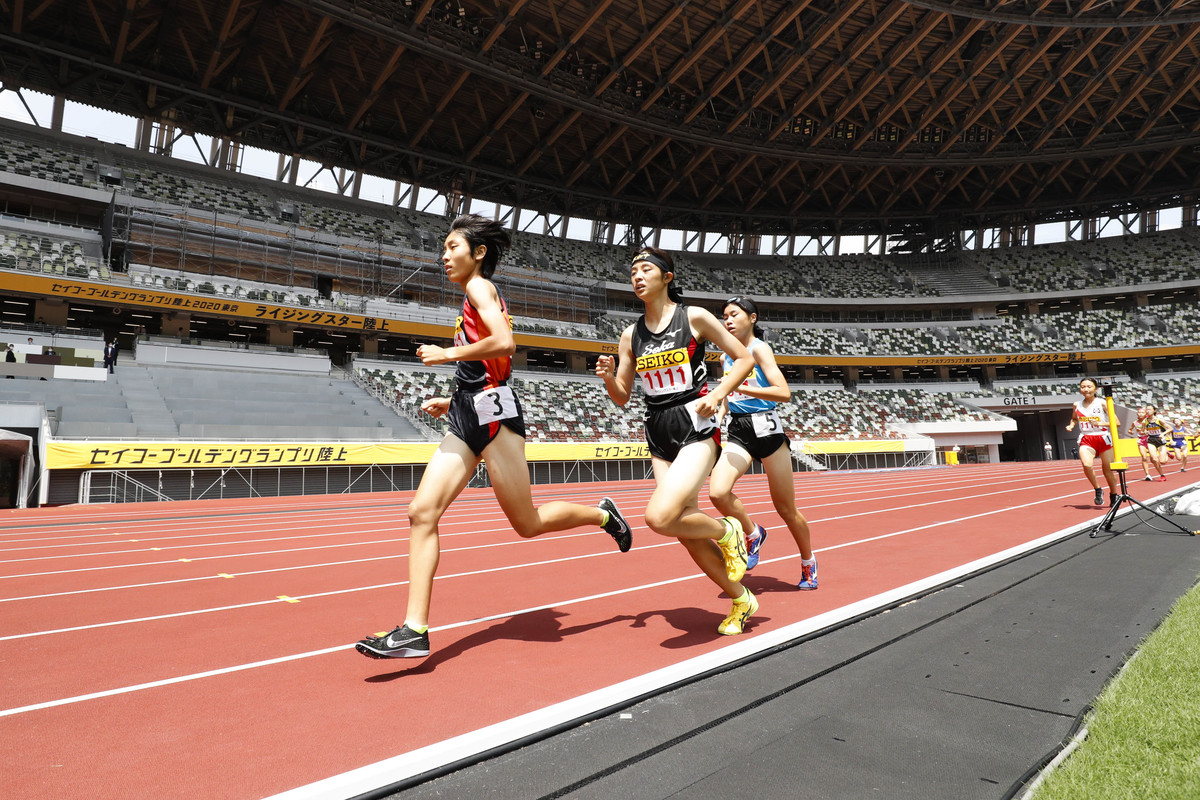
671	358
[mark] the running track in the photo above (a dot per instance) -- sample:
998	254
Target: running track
205	648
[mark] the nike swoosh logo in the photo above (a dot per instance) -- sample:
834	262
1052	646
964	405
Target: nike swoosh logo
398	642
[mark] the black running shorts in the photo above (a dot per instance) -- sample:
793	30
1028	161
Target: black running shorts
465	424
669	429
741	432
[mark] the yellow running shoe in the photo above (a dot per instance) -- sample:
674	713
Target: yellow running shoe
733	548
738	614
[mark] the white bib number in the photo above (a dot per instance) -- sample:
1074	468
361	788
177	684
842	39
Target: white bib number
493	405
766	423
700	423
667	380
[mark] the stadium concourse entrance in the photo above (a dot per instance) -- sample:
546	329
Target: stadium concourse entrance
1040	419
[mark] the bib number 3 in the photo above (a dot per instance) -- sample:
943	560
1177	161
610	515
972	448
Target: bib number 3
493	405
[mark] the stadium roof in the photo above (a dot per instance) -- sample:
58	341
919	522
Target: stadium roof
748	116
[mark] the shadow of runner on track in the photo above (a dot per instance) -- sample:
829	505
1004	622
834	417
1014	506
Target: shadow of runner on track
536	626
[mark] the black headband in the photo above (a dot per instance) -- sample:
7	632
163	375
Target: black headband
653	259
744	303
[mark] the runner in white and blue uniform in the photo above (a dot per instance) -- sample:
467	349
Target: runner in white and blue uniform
756	434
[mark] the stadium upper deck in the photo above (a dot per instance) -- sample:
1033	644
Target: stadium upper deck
200	231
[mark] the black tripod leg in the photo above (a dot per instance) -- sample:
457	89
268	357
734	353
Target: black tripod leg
1107	521
1172	522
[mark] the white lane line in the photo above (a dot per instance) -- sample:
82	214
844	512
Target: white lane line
502	615
490	530
507	543
330	593
425	759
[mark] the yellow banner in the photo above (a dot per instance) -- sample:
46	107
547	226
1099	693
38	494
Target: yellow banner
244	455
855	446
68	290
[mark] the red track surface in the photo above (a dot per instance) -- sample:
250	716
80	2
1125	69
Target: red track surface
98	601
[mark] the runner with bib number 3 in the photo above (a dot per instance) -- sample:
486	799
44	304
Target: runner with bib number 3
486	424
756	434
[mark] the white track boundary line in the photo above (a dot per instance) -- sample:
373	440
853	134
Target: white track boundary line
501	615
426	759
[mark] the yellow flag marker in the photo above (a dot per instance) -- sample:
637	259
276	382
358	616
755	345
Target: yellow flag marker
287	599
224	575
185	560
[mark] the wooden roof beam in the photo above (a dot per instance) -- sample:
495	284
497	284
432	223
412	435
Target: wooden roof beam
860	185
693	163
994	93
1187	84
1163	58
1091	85
648	156
495	127
317	43
598	11
377	85
867	84
440	107
801	54
710	37
597	152
537	152
1164	158
993	186
837	68
916	82
783	19
632	54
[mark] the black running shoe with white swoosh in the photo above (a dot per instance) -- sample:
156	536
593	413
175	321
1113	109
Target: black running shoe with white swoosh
403	642
616	526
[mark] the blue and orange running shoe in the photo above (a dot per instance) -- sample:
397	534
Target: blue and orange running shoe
808	576
754	543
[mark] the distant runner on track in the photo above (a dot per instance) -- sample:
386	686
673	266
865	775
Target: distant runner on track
1095	439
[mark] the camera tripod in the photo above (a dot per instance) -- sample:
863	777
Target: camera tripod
1123	497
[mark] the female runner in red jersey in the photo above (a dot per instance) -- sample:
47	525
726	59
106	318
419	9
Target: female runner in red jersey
485	424
1095	440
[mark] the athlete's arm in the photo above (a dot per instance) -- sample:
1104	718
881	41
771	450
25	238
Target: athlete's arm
499	341
618	377
704	324
777	389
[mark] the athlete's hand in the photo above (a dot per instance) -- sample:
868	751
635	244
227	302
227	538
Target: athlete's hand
436	406
606	367
707	405
431	354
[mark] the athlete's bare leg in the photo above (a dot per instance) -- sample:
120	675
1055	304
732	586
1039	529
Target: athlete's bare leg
509	473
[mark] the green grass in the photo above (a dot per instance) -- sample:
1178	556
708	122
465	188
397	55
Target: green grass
1144	733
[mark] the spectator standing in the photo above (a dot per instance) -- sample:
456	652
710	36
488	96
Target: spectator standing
10	357
1049	451
110	355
